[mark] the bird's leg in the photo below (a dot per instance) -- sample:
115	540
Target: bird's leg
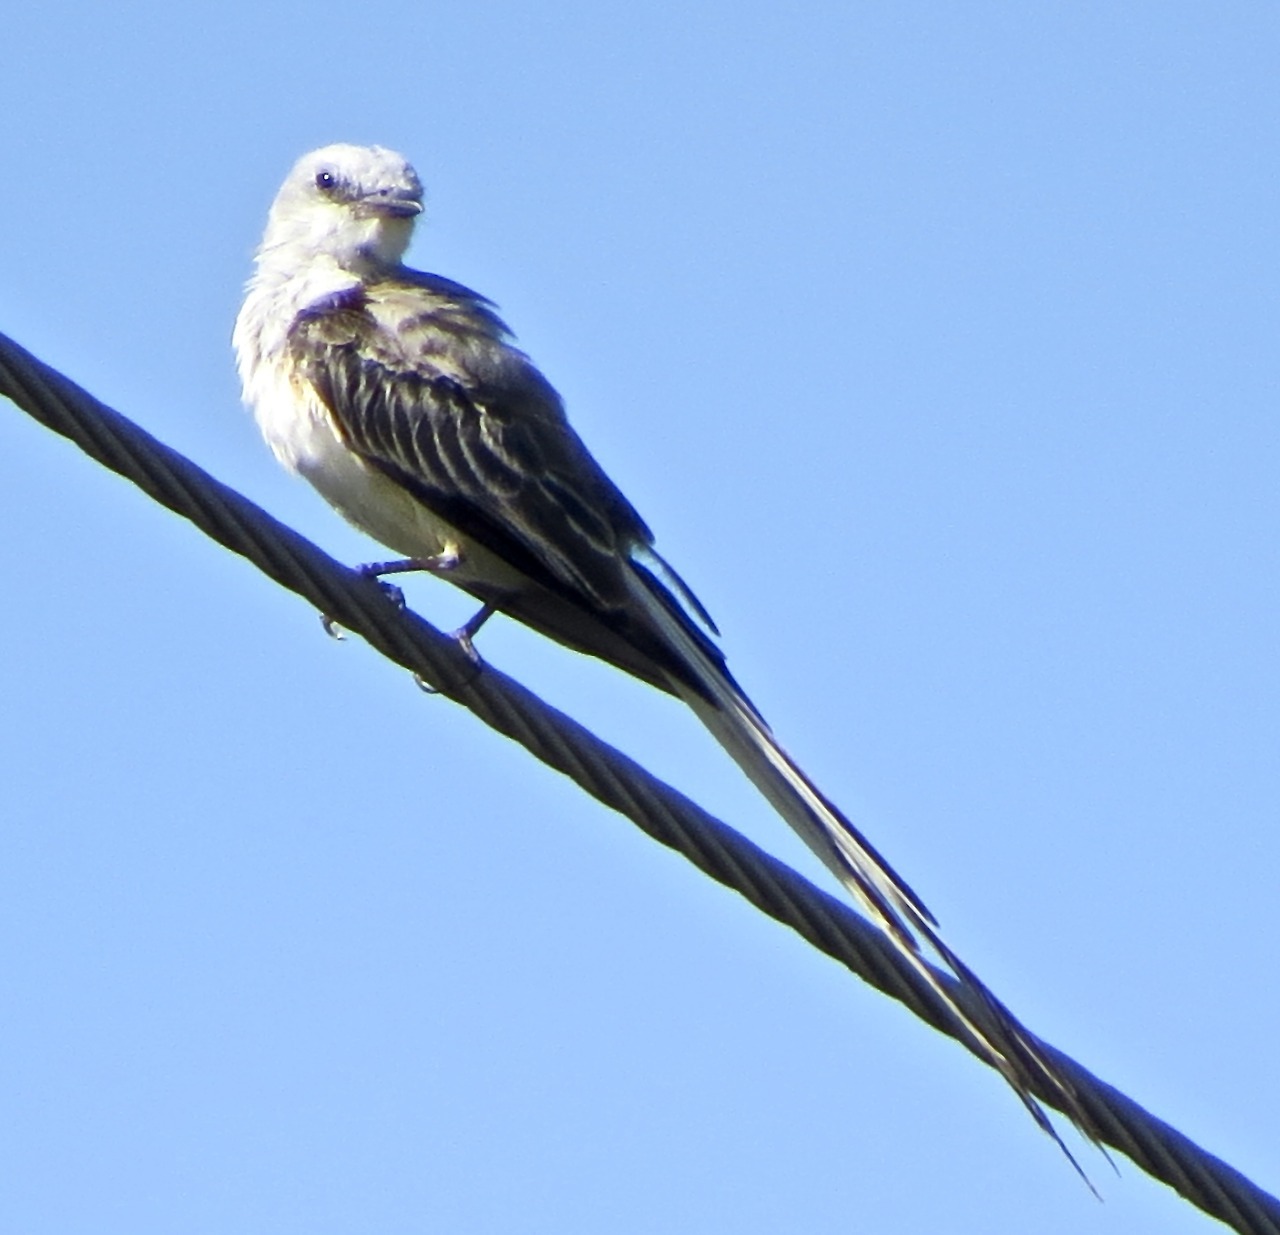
464	634
468	630
437	563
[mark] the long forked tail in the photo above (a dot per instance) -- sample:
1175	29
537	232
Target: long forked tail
994	1033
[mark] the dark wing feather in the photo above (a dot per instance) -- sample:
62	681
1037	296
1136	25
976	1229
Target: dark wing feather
424	385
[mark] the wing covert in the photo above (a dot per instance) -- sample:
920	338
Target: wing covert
434	397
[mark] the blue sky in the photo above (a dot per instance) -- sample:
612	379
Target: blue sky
938	345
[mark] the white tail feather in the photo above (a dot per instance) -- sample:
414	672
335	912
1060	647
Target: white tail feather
736	724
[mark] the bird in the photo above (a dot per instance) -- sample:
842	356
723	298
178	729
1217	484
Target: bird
402	397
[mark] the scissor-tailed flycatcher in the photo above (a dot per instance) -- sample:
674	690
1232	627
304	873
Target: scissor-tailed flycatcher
401	398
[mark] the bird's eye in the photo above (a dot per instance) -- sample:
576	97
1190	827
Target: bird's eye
326	181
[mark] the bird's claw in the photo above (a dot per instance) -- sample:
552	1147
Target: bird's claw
333	629
392	593
463	636
467	644
466	633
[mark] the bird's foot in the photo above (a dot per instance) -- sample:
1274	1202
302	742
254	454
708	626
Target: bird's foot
389	590
466	633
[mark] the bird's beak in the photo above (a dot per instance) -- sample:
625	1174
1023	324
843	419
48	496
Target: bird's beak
392	203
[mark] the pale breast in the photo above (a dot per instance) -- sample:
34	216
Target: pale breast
302	435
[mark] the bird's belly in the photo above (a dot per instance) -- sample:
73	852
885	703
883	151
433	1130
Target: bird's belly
301	434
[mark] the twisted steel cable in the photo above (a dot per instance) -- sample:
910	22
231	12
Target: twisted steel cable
360	605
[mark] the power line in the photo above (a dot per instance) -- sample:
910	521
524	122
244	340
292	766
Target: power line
360	605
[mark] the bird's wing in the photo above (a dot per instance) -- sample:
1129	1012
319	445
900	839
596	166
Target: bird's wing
422	384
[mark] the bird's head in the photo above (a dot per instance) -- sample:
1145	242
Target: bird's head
354	205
